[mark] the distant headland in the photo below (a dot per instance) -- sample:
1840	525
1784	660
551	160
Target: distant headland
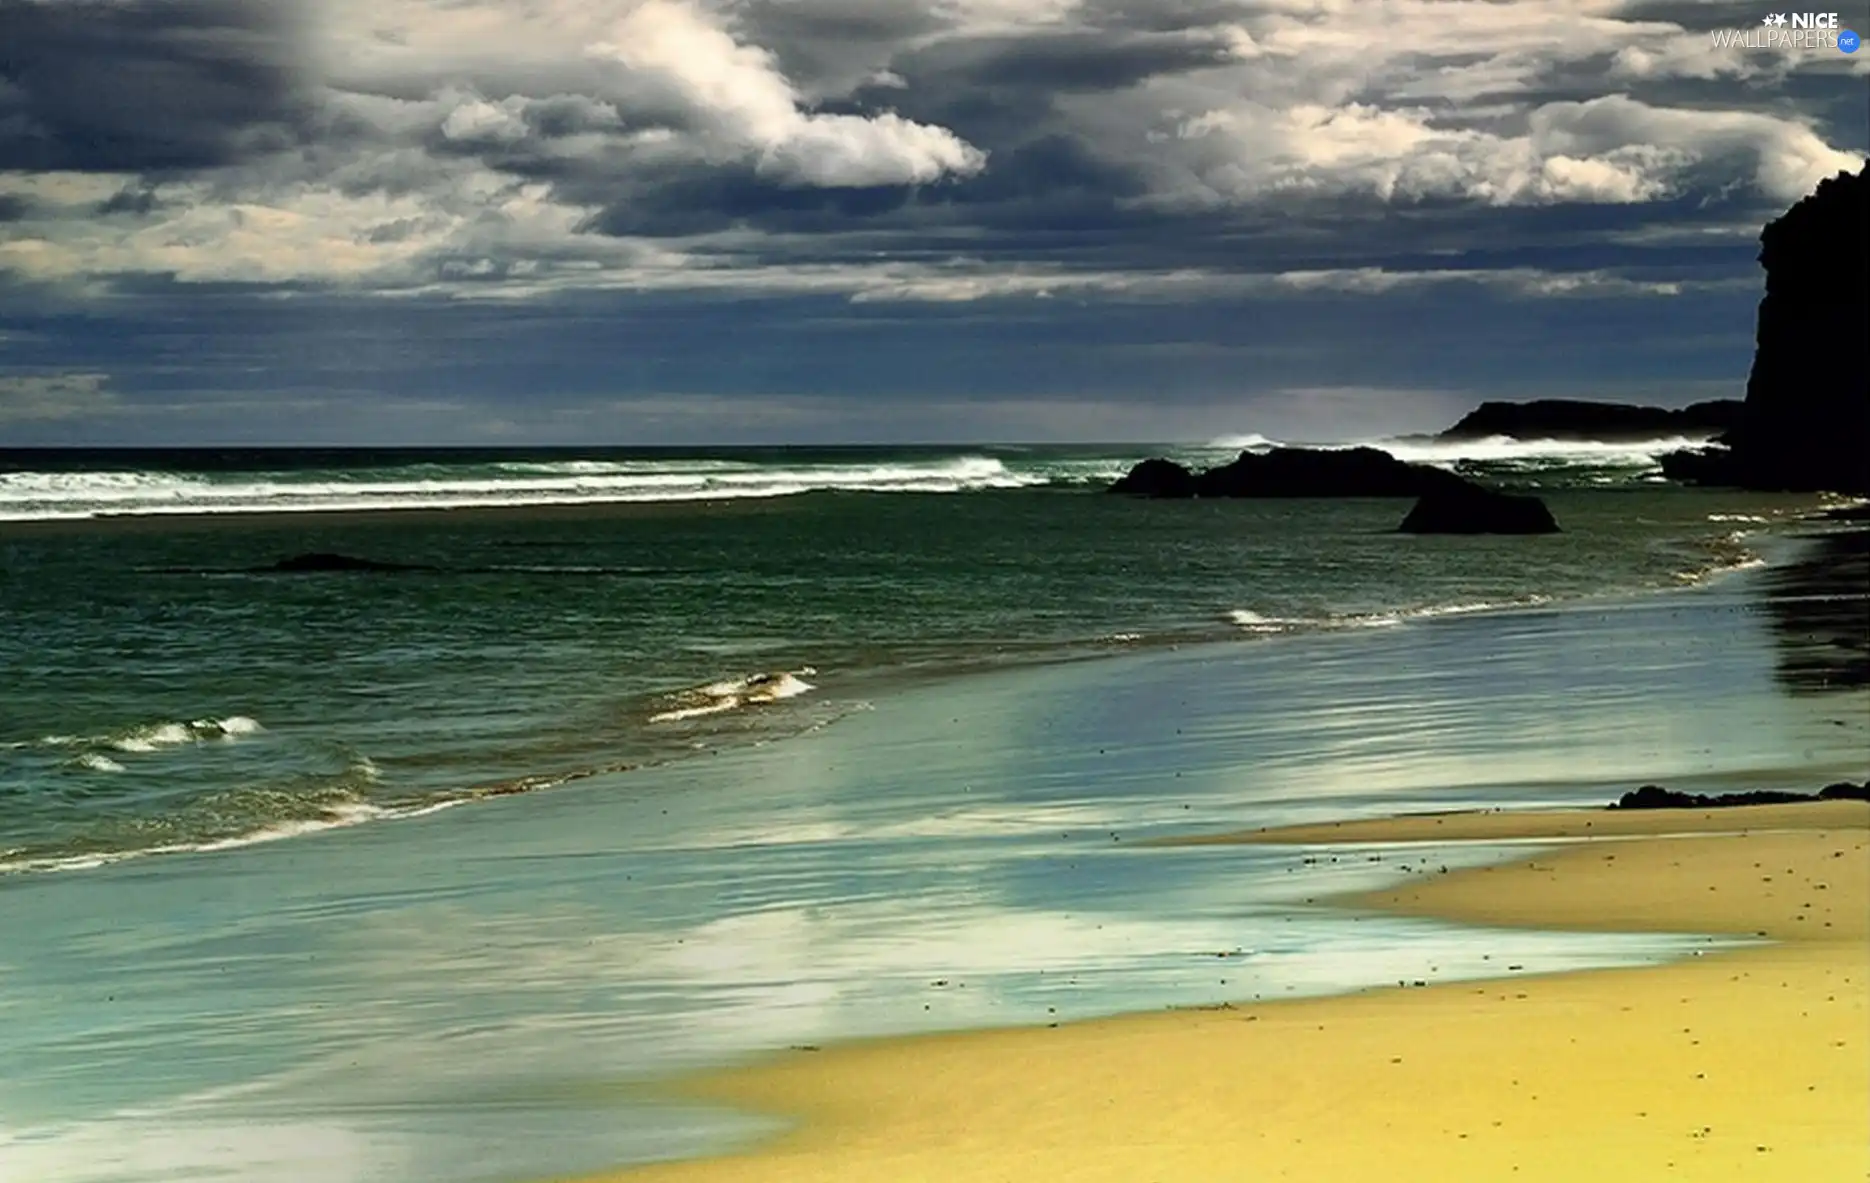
1804	425
1577	419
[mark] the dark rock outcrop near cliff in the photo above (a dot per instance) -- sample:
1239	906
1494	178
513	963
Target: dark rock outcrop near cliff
1290	472
1806	422
1657	797
1322	472
1574	419
1468	508
1157	477
1446	503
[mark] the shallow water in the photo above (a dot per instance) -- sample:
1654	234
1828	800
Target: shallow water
160	689
479	994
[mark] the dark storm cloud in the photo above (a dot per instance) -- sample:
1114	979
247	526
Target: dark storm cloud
831	44
963	218
1049	63
141	85
131	199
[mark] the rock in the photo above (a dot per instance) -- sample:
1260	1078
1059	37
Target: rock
317	562
1698	466
1657	797
1156	478
1468	508
1321	472
1806	423
1574	419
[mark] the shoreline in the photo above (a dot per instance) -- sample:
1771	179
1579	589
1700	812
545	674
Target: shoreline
1776	544
1709	1067
865	684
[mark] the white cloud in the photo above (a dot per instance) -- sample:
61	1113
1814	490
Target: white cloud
1611	150
741	91
484	139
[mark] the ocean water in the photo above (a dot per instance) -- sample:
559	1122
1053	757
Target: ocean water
161	690
432	874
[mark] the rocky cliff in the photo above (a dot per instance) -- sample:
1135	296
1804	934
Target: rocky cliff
1806	422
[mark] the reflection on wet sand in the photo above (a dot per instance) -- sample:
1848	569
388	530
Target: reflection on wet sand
1819	606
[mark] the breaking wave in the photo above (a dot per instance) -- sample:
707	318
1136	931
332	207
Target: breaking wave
335	816
1501	451
150	737
1253	622
67	495
718	698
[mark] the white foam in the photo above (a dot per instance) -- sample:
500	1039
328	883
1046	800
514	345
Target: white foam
1498	449
153	738
98	762
156	736
731	695
335	817
1254	622
59	495
1253	441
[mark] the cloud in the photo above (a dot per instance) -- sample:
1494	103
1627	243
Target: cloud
133	85
740	93
934	151
38	397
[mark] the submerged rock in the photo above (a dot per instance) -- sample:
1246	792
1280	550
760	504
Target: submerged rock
1468	508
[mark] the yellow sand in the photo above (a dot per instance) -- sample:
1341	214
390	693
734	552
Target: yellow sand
1748	1065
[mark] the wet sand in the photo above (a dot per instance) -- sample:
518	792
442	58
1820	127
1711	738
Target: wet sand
1746	1064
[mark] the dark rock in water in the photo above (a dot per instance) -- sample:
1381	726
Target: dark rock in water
317	562
1657	797
1575	419
1322	472
1698	466
1289	472
1447	504
1156	478
1467	508
1806	422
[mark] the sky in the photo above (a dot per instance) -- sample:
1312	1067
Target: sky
727	221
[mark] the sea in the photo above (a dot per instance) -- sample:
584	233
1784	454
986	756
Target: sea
598	765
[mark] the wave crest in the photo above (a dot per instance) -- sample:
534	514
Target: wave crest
67	495
718	698
1254	622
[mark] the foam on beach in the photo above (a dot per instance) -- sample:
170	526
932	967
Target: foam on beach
336	815
1254	622
733	694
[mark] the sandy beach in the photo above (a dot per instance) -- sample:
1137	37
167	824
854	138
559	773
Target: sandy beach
1752	1063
